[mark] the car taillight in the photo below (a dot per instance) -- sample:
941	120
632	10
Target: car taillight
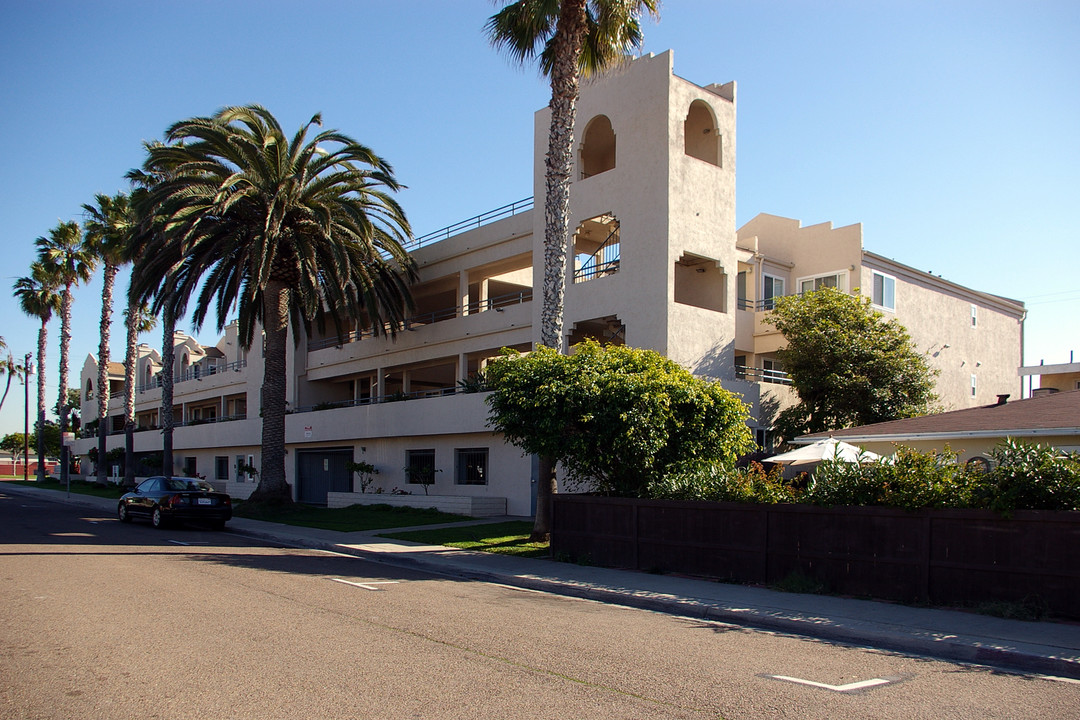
226	500
176	500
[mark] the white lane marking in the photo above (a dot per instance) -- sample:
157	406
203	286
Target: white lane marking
366	585
850	687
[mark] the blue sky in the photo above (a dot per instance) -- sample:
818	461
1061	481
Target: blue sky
948	128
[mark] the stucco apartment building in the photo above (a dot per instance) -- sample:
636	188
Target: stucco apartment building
656	263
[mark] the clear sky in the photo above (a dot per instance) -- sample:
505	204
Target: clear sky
948	128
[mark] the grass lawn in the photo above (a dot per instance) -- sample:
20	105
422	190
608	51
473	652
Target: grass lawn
508	538
348	519
79	487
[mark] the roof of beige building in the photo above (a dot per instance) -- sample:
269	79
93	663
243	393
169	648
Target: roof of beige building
1052	414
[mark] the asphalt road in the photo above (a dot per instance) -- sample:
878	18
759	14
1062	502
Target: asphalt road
104	620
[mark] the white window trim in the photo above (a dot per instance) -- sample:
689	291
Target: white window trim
884	275
841	280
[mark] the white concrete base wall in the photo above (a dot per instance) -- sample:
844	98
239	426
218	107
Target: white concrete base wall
456	504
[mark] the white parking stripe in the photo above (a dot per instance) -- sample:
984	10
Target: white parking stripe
366	585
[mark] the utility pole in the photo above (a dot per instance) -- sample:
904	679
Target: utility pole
28	368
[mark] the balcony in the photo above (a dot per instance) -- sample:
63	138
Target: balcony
496	303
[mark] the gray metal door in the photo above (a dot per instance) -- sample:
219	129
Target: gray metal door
321	471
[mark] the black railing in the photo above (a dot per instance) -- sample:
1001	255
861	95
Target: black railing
604	261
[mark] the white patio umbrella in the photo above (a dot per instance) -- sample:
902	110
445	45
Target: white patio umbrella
827	449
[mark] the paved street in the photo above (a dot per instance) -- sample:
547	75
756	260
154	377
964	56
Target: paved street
104	620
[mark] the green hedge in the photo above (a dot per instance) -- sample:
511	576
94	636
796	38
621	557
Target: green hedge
1023	476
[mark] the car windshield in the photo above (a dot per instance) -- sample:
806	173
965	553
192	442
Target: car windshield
181	484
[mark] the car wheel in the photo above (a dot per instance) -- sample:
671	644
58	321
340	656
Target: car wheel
157	519
122	513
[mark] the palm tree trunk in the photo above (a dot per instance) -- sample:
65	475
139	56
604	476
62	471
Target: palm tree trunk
130	356
62	405
545	488
569	35
43	338
108	277
272	486
168	322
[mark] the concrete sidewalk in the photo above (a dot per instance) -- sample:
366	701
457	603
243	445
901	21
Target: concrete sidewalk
1042	647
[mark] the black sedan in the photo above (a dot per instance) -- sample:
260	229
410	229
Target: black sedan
164	500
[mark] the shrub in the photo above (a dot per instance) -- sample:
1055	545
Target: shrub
909	479
1029	477
746	485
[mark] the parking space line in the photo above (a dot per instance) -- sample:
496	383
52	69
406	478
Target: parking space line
369	585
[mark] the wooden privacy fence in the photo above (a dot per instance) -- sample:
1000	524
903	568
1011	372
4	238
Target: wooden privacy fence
943	557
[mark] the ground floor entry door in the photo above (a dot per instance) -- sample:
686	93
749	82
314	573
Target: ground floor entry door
321	471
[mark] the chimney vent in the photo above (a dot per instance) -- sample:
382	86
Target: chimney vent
1002	399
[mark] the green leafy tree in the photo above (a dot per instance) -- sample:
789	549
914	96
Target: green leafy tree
38	298
619	419
301	229
571	38
848	365
109	226
14	444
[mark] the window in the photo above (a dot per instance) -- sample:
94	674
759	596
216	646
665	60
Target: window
598	147
420	466
974	385
832	280
884	291
773	287
221	467
701	137
974	316
89	395
740	290
470	466
190	466
241	476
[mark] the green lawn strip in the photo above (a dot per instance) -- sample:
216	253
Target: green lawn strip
507	538
354	518
80	487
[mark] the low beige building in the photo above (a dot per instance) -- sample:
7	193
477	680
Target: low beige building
656	262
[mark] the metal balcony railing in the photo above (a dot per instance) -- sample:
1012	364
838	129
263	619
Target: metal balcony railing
480	220
428	318
754	374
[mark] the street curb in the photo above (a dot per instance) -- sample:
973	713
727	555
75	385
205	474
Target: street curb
1004	659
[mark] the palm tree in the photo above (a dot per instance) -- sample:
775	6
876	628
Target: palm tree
137	319
65	256
301	229
38	298
10	367
109	226
571	38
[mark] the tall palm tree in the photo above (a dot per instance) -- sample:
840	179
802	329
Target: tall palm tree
301	229
38	298
9	367
137	319
572	38
109	226
65	256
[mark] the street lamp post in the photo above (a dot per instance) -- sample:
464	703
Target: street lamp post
28	369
